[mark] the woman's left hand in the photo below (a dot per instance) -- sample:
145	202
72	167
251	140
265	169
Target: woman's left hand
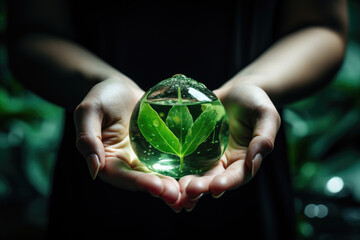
254	122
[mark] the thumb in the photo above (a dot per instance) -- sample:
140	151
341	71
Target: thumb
262	143
88	122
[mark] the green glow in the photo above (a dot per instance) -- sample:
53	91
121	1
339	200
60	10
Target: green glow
179	136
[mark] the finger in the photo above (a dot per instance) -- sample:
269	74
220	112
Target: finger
262	143
200	184
171	191
194	187
171	194
88	123
184	182
121	175
177	206
233	177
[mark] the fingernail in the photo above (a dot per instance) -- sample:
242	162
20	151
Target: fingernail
154	195
256	162
219	195
171	206
176	210
190	209
197	198
93	164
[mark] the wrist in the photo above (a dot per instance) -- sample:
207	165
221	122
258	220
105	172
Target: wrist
121	86
260	80
126	83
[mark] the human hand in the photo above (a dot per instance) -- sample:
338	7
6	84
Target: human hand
254	122
102	130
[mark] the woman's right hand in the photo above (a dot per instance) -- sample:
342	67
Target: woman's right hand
102	129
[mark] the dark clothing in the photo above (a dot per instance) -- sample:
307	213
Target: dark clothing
209	41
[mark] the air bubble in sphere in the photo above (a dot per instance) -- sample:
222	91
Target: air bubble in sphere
179	127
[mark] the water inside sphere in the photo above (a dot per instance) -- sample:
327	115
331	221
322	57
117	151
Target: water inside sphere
179	127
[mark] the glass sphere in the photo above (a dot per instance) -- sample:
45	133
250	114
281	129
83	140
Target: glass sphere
179	127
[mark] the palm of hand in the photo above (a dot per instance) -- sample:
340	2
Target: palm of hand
234	169
121	167
254	122
252	119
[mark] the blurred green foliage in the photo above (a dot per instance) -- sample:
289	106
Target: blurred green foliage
326	124
30	130
322	131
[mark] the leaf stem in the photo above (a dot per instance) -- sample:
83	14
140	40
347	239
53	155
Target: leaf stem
179	95
213	137
181	157
181	162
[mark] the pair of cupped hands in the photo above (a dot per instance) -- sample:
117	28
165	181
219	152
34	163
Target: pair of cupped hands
102	128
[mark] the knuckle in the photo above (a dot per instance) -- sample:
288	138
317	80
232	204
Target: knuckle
83	140
85	106
277	118
268	143
271	112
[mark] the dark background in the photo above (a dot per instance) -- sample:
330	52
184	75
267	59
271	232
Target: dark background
323	140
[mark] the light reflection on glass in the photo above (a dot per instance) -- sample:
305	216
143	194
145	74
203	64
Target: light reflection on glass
198	95
164	165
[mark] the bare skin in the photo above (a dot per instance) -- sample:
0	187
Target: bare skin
102	98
